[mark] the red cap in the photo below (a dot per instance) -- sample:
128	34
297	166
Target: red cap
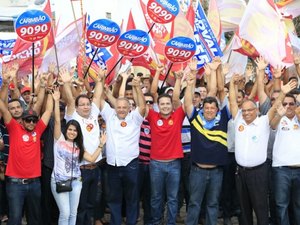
24	89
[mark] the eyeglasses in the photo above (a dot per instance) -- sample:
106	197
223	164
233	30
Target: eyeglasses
30	120
288	103
149	102
248	110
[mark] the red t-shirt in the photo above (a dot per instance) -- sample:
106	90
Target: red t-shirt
166	135
24	159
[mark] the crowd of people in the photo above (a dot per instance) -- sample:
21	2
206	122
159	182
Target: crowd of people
72	148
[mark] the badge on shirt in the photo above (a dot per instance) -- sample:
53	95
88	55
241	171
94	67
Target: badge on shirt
123	124
147	131
159	123
241	128
25	138
254	139
296	127
171	122
89	127
285	128
284	123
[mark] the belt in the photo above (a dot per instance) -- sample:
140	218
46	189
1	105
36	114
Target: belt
292	167
22	180
88	167
205	168
250	168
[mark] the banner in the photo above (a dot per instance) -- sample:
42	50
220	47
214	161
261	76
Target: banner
6	46
207	44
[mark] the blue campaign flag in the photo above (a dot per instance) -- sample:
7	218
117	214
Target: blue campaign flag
6	46
207	44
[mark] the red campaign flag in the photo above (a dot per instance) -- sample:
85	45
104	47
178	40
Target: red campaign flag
22	51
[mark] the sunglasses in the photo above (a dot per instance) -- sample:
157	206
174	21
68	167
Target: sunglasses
30	120
149	102
288	103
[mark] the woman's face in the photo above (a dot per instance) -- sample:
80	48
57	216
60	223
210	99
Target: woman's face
71	133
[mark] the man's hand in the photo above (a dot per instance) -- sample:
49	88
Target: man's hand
261	63
65	76
193	65
289	86
215	63
178	75
160	68
277	72
281	111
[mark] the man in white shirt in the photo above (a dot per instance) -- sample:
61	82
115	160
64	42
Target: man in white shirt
122	151
286	160
251	140
86	112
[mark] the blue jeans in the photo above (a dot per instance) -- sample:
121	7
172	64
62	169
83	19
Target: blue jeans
204	183
17	195
286	183
165	178
145	191
88	196
67	202
123	184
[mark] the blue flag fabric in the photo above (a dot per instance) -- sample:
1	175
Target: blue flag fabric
207	44
6	46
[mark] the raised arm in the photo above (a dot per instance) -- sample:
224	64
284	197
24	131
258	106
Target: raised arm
140	96
232	95
41	94
188	94
66	78
213	76
48	111
5	83
176	92
154	86
297	63
277	77
5	113
92	157
297	111
261	66
57	119
125	77
221	72
284	90
98	91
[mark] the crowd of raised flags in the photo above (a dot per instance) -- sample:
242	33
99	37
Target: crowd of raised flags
260	28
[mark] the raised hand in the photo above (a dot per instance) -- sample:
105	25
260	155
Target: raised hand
277	72
190	79
160	68
261	63
225	68
193	65
56	94
178	74
51	68
136	81
289	86
297	58
65	76
207	70
215	63
281	110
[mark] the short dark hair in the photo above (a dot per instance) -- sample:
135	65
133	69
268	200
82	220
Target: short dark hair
164	96
242	92
211	100
289	95
81	96
15	100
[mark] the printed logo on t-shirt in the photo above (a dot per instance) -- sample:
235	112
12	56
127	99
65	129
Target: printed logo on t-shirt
296	126
33	134
285	128
89	127
25	138
123	124
147	131
241	128
159	123
171	122
284	123
254	139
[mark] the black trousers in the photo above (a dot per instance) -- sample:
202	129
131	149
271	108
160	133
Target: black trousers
252	189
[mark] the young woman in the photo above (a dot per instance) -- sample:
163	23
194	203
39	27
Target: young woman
68	152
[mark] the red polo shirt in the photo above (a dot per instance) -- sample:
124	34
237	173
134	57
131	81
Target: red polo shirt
24	159
166	135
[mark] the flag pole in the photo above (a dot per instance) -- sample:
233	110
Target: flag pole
89	66
166	77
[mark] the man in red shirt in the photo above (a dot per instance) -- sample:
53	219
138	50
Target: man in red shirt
166	150
24	163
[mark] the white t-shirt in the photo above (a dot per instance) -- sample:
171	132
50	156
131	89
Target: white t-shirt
122	145
286	150
251	140
90	130
64	154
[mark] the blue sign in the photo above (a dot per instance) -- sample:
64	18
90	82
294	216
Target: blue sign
133	43
103	33
180	49
207	44
162	11
33	25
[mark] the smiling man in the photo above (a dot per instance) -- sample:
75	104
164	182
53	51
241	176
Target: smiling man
122	151
24	163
